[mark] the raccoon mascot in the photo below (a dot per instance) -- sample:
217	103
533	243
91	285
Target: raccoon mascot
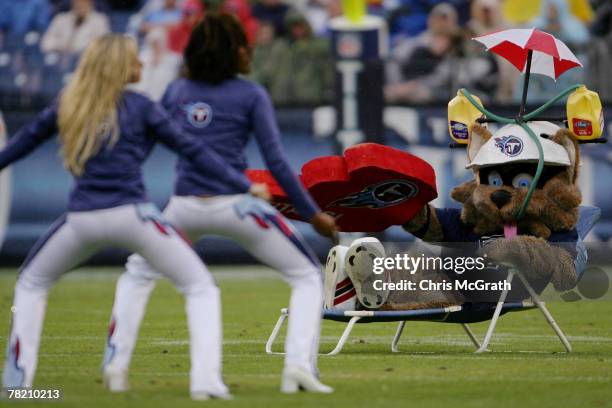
543	244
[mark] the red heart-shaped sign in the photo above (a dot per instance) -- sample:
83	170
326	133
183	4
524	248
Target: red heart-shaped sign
368	189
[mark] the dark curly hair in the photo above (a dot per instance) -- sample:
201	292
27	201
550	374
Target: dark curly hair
212	54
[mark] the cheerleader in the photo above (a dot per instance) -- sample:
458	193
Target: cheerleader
106	132
222	110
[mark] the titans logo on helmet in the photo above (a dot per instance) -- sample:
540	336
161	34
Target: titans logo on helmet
511	146
199	114
380	195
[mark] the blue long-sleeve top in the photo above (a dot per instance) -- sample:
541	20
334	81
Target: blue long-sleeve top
224	116
113	177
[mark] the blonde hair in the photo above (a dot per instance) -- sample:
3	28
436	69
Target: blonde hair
87	114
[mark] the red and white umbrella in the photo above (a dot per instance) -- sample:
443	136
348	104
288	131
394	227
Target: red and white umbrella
531	50
550	56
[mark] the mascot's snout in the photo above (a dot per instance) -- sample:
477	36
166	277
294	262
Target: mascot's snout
501	198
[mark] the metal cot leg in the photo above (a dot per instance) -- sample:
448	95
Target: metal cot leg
471	335
396	337
345	335
500	303
551	321
275	331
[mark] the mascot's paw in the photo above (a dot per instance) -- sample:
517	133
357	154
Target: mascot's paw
520	252
565	278
418	221
536	259
359	264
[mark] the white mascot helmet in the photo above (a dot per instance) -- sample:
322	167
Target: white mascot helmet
512	144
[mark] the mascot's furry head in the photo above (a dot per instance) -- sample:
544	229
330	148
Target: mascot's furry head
504	166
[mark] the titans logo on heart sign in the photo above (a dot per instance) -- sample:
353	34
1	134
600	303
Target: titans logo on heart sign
380	195
199	114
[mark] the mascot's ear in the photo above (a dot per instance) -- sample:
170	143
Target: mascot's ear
478	137
565	138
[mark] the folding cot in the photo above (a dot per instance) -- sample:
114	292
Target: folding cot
463	314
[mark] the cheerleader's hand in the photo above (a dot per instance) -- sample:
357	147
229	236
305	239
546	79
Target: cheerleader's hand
325	225
260	190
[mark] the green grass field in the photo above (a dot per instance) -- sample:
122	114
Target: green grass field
435	368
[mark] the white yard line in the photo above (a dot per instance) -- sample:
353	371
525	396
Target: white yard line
506	338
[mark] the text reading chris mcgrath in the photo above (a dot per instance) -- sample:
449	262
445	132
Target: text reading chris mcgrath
412	265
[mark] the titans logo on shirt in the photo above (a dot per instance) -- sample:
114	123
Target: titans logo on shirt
199	114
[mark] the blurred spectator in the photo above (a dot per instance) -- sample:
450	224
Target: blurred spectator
268	52
333	8
178	35
166	16
315	13
160	66
61	6
274	12
555	18
454	69
303	73
421	67
72	31
19	17
242	10
409	17
149	7
319	12
486	17
404	58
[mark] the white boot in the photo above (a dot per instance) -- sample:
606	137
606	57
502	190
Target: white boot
24	339
205	332
298	379
131	298
116	381
339	290
205	396
359	263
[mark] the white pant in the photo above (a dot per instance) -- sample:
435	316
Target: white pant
262	231
138	228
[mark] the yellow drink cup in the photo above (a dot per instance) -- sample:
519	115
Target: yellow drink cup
354	10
